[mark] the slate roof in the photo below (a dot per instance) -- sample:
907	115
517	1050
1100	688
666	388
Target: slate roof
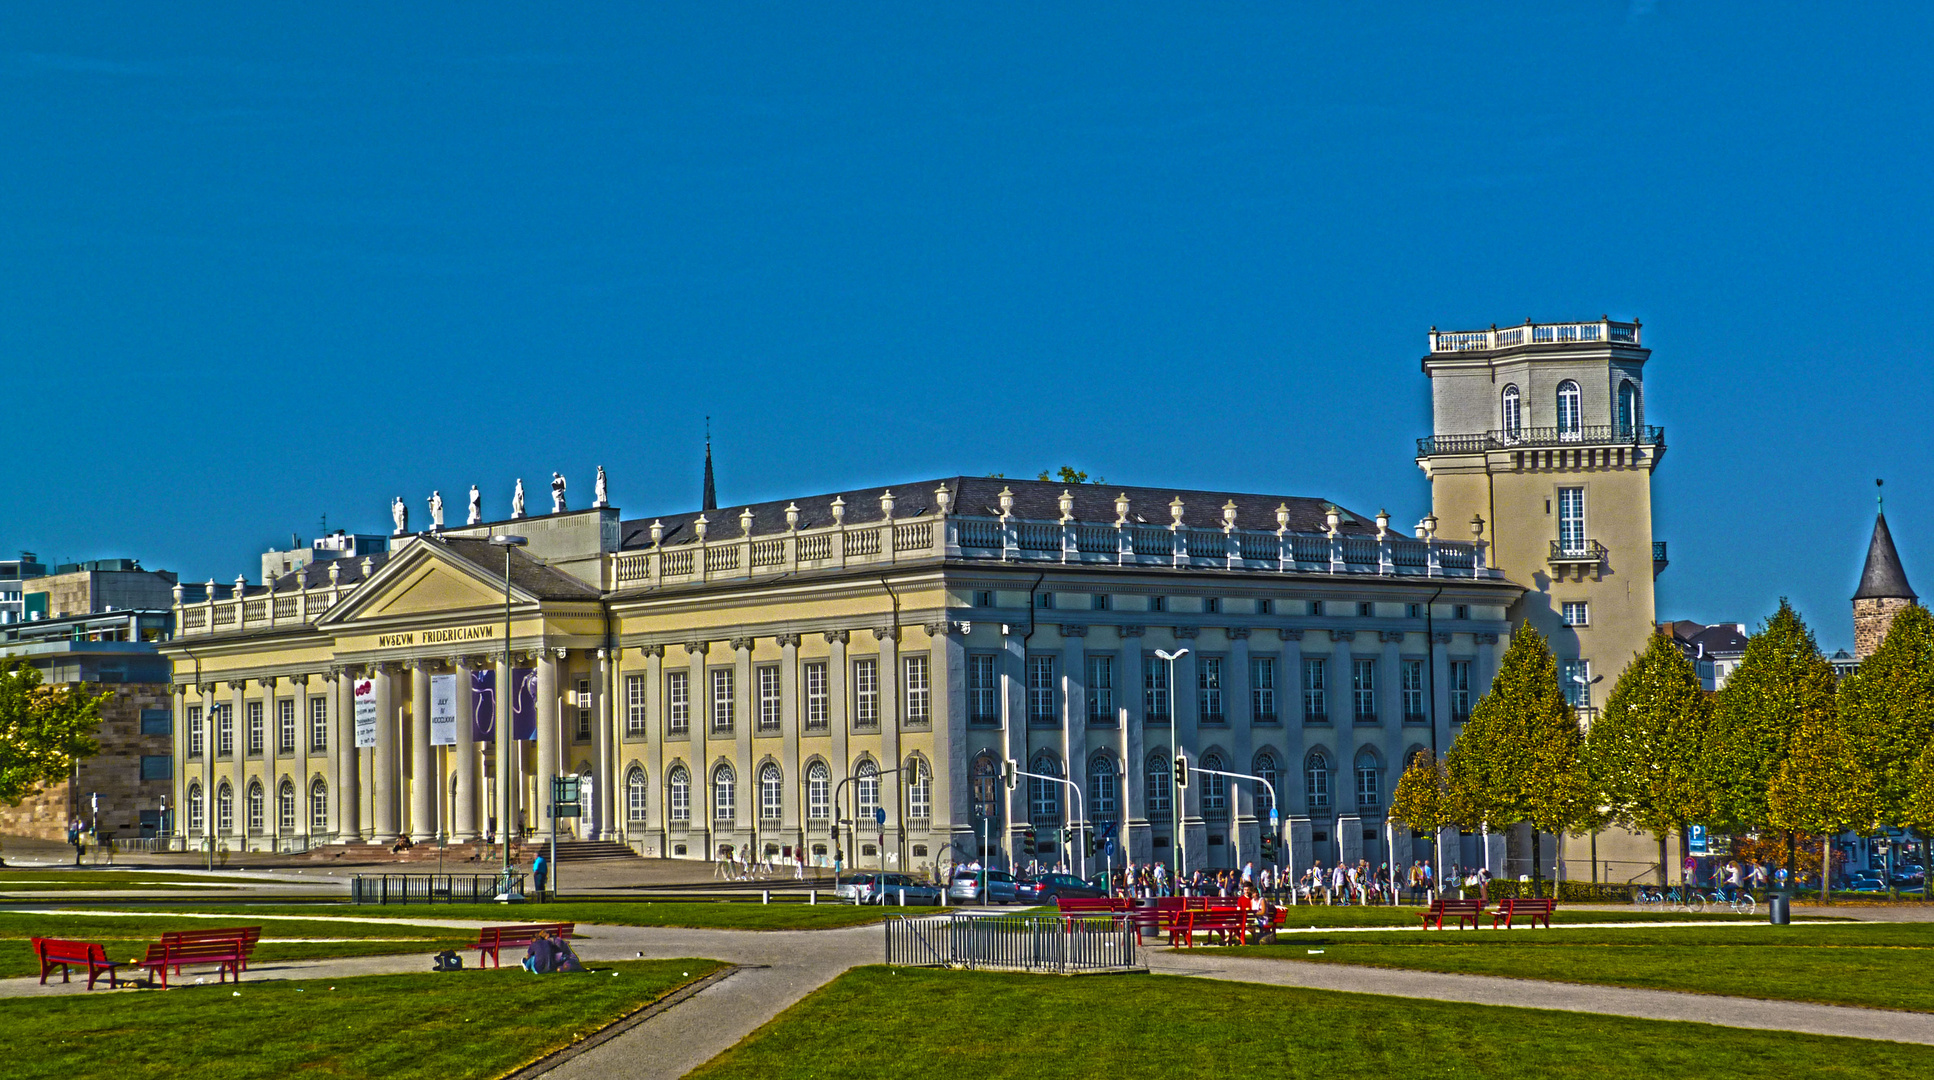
1034	500
316	574
527	573
1883	578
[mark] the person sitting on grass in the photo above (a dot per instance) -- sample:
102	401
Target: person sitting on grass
541	957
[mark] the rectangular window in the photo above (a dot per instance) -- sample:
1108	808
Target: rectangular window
1160	778
1262	689
1099	601
1366	609
919	695
1571	519
1363	690
1316	607
1101	691
1155	689
769	707
1212	604
319	723
983	690
1577	613
1460	611
1208	684
584	710
225	730
681	799
285	725
818	709
1040	690
157	722
254	726
1264	607
1316	706
678	702
1158	603
866	694
1413	691
1044	601
983	598
196	737
1367	784
722	701
635	706
157	767
1413	611
1575	679
1460	691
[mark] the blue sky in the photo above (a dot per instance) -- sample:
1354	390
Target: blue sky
257	267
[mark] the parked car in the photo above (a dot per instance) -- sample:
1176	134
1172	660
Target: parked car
854	886
891	888
966	887
1047	888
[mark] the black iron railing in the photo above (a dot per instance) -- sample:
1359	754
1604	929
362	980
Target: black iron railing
1658	551
1054	944
431	888
1589	551
1523	438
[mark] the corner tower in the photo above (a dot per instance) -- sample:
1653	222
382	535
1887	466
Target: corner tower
1883	591
1540	447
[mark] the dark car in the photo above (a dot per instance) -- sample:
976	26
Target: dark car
1047	888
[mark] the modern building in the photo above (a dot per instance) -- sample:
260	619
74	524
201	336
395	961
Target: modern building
1715	651
125	791
15	574
336	545
100	585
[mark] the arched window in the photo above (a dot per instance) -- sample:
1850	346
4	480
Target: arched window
285	806
1628	410
196	810
1044	796
866	791
819	792
680	782
919	789
319	807
637	795
224	809
1102	787
1316	781
1570	412
772	792
1215	789
1513	411
987	789
1369	779
724	808
1159	779
1265	767
255	807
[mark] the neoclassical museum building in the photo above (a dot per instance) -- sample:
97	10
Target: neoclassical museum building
845	674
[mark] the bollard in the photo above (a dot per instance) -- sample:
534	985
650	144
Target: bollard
903	898
765	896
812	897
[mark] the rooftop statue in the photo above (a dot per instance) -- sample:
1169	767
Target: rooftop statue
400	514
517	500
476	506
557	493
602	497
436	511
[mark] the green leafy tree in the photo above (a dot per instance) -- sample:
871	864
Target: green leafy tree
1920	791
1070	475
1781	685
1887	710
1518	759
1822	786
1643	754
1424	800
44	730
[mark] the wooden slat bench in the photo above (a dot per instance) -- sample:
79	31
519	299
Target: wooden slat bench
1121	908
1534	911
1220	921
66	955
226	955
1462	910
491	939
244	936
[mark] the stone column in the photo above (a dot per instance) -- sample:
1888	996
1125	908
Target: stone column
604	767
238	763
1014	733
1131	710
700	711
949	735
656	808
300	772
791	719
839	723
1343	719
384	765
1074	732
1437	684
547	740
345	796
1188	736
464	812
178	791
425	785
892	786
1289	706
744	720
1238	706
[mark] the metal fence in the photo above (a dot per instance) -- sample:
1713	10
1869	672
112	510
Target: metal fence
1052	944
430	888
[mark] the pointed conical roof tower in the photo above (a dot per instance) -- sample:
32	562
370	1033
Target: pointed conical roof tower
711	492
1883	590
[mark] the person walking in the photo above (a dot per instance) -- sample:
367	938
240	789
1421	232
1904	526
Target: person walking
540	869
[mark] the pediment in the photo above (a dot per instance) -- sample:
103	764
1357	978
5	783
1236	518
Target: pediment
424	579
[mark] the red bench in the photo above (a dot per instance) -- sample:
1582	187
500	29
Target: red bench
1121	908
1462	910
1218	921
245	938
67	955
226	955
1535	911
491	939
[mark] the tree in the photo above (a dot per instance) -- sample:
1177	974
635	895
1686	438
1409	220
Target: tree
1781	685
1069	475
1643	754
1822	786
1423	800
44	730
1920	793
1518	758
1887	710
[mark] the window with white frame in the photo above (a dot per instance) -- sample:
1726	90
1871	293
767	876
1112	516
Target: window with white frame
1155	689
637	795
817	707
681	794
770	712
1413	691
1044	796
584	710
1040	690
318	806
1575	679
1628	409
1103	788
285	805
1262	688
724	794
1316	781
285	729
1363	690
866	791
1571	520
819	791
1316	709
1570	412
1512	408
866	693
254	713
319	723
983	689
256	808
1460	691
772	792
196	810
1160	779
1577	613
1208	684
225	730
1215	789
197	738
722	701
919	790
635	706
1265	767
1101	690
678	702
1369	780
919	695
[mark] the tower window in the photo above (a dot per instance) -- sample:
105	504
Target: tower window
1577	613
1413	611
1212	604
1571	519
1513	413
1569	410
1045	601
1158	603
1628	410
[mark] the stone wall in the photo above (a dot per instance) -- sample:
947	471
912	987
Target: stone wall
115	773
1871	620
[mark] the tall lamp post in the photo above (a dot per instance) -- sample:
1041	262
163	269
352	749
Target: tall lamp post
504	694
1174	792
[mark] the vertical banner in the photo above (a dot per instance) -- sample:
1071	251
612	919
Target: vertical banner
483	704
443	710
365	713
523	703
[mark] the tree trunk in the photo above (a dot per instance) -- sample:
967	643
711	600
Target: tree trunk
1663	856
1536	858
1826	868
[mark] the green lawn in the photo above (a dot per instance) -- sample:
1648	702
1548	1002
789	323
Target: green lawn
704	916
58	879
1882	965
127	937
910	1022
387	1027
1307	915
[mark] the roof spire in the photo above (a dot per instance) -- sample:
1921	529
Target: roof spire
1883	577
711	493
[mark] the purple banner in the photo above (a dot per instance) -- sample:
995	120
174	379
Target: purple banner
523	703
483	704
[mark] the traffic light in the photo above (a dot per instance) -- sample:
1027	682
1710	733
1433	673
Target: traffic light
1007	773
1088	839
1181	770
1268	848
1027	835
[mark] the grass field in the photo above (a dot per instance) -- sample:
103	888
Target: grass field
57	879
703	916
907	1022
451	1026
126	937
1307	915
1880	965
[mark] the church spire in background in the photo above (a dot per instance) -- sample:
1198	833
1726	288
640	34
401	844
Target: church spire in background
711	493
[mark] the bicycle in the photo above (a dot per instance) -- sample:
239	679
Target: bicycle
1684	899
1645	899
1739	900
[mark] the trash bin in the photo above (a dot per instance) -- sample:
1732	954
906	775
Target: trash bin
1779	909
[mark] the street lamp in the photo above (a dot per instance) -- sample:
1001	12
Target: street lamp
504	692
1174	793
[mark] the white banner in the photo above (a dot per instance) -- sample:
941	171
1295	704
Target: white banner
443	710
365	713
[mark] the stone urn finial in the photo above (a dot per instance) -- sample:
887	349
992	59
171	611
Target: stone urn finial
1007	501
1383	524
699	526
886	504
792	517
657	533
1175	512
1066	502
1229	515
942	499
1282	517
745	521
1121	508
839	510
